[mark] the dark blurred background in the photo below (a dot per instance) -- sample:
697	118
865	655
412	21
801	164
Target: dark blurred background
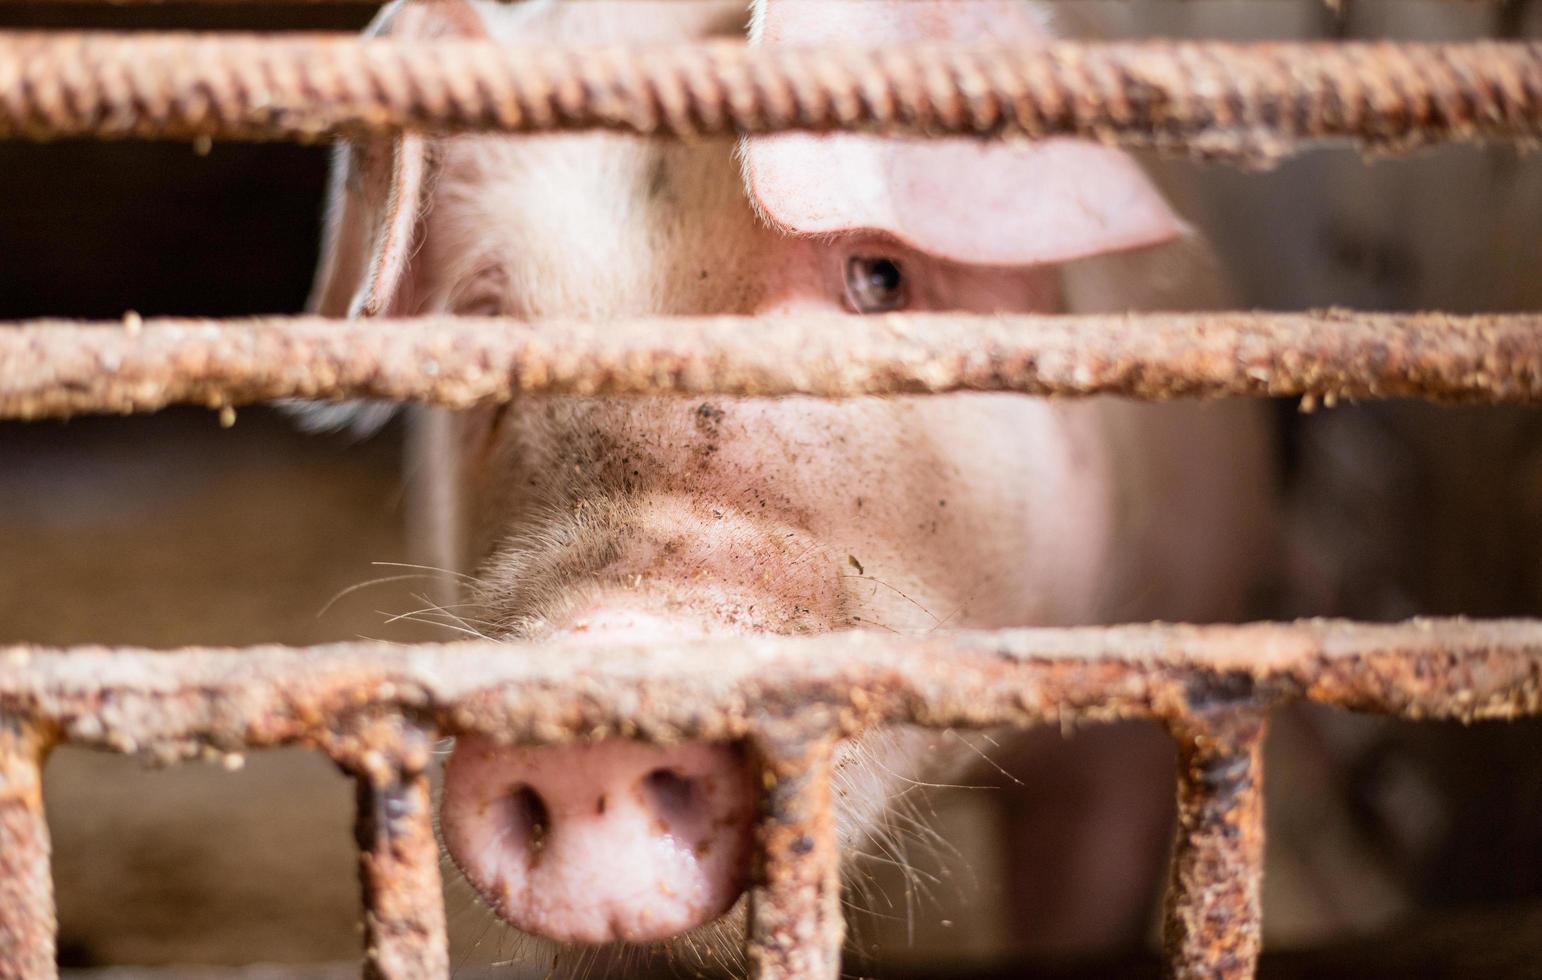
170	530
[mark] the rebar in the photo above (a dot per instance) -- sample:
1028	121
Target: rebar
375	707
27	921
183	704
1213	928
796	926
1242	102
57	369
404	919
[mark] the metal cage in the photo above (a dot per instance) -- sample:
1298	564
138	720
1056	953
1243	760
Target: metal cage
377	709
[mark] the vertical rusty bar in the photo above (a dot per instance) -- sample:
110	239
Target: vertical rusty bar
27	923
1212	926
404	923
796	928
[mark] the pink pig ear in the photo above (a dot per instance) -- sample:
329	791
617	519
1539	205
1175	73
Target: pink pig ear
983	203
376	191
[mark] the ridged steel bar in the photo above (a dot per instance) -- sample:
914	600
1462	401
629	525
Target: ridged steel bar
56	369
1248	102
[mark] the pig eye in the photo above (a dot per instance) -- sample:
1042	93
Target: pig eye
874	284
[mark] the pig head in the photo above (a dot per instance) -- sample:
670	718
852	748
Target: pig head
627	520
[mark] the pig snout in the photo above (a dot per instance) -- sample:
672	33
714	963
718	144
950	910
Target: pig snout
606	842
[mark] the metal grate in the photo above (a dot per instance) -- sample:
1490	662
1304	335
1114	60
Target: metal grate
1250	102
376	709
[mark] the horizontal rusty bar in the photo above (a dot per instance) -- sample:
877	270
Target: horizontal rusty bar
194	702
1244	102
55	369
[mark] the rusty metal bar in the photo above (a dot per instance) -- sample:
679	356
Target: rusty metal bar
405	935
55	369
375	707
796	927
1213	928
176	705
27	926
1241	102
404	921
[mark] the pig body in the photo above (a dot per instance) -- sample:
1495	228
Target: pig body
611	520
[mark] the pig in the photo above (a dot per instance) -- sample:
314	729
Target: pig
626	521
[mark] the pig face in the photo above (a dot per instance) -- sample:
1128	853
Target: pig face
607	520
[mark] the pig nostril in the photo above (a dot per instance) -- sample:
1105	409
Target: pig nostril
529	820
671	794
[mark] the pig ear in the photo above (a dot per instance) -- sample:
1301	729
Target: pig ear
375	200
377	189
993	204
374	196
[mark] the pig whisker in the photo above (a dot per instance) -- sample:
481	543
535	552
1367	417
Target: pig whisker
621	958
979	752
434	569
891	841
897	591
866	909
900	837
866	891
871	622
892	846
956	611
895	858
715	948
436	609
475	634
427	620
451	605
914	783
688	954
465	902
417	615
588	958
871	887
922	831
475	945
517	948
364	585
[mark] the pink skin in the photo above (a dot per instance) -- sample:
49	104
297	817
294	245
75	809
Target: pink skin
604	842
588	520
538	831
